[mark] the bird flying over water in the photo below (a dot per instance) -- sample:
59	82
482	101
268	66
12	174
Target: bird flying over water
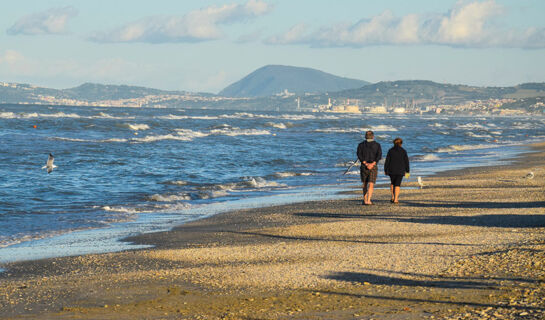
49	165
420	182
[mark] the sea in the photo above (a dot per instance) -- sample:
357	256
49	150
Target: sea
126	171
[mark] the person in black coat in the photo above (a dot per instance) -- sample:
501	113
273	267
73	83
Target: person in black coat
369	153
396	166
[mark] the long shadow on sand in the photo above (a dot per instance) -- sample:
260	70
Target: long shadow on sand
486	220
474	205
435	301
429	282
360	277
476	278
302	238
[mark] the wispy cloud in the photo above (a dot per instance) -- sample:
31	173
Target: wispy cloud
199	25
52	21
467	24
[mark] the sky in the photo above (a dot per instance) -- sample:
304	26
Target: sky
203	46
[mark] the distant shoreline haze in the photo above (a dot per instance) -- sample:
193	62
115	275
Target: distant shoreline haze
275	87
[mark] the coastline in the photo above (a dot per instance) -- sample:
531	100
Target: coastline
449	246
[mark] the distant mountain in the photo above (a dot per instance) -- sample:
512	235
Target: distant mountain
273	79
96	92
87	92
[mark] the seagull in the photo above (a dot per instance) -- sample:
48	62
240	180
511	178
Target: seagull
49	165
420	182
530	175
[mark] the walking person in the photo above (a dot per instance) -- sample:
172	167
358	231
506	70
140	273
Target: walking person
396	166
369	154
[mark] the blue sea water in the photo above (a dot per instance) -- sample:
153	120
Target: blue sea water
123	171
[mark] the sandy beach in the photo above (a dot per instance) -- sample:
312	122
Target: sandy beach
469	245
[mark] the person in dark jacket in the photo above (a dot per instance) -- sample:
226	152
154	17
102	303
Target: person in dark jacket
369	154
396	166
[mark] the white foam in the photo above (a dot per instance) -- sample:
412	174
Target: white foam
170	198
103	115
428	157
382	127
7	115
339	130
211	194
122	209
234	131
60	115
173	117
87	140
474	125
474	135
291	174
177	182
190	134
154	138
456	148
259	183
276	125
137	127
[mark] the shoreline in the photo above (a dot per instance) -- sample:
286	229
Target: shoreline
447	249
80	242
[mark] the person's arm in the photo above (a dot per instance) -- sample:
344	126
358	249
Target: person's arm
379	154
387	164
359	153
406	158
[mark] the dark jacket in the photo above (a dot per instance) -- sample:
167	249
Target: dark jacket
397	161
369	152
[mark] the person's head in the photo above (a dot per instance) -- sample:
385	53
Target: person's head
369	135
398	142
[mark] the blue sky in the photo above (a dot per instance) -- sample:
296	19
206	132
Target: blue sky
207	45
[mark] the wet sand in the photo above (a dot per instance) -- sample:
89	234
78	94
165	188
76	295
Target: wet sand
469	245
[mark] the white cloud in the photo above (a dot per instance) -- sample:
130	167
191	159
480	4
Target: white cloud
468	24
52	21
296	34
198	25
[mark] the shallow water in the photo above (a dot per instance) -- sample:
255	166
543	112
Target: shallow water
130	170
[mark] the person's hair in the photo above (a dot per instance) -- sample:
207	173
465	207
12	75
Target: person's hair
369	135
398	142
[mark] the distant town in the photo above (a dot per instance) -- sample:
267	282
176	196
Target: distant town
400	97
490	106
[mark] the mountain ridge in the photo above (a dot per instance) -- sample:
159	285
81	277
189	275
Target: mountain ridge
270	80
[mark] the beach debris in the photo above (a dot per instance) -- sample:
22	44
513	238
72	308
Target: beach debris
420	182
530	175
49	165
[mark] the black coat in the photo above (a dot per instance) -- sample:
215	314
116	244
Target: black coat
369	152
397	161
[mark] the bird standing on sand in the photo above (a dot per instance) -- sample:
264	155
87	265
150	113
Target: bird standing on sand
530	175
49	165
420	182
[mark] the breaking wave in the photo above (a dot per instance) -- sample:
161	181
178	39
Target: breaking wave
382	127
291	174
457	148
427	157
137	127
